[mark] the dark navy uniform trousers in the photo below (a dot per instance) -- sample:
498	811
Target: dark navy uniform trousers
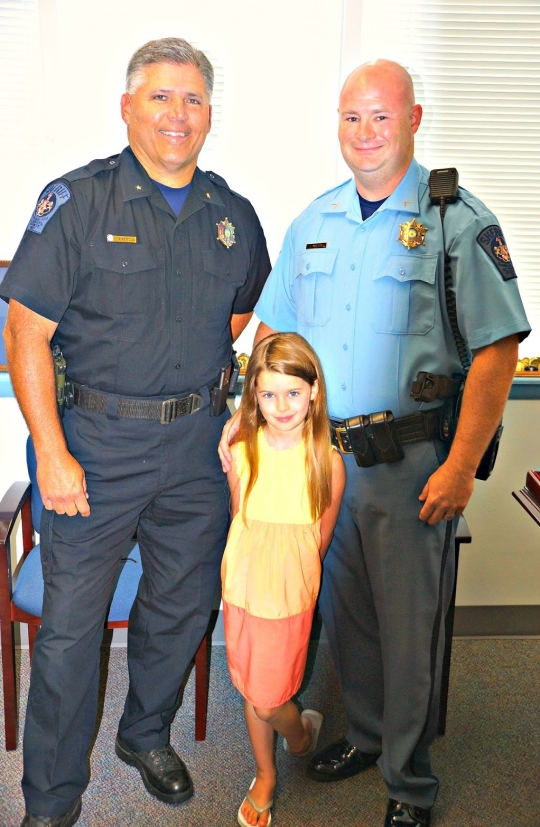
387	584
166	482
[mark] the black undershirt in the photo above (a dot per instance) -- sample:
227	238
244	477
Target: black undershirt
367	208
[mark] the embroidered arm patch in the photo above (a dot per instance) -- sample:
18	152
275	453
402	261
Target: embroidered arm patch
50	200
491	240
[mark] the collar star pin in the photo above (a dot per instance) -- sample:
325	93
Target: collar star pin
138	187
226	233
208	195
412	234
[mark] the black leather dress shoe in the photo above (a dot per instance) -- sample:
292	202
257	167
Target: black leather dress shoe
164	774
399	814
338	761
66	820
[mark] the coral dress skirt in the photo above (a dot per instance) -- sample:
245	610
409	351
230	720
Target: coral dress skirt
271	575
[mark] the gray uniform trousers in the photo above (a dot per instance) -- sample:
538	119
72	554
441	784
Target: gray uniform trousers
166	481
386	586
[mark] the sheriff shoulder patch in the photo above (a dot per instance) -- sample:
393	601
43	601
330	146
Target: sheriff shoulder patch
49	201
491	240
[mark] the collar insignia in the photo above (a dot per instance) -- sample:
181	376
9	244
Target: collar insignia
208	195
138	187
226	233
412	234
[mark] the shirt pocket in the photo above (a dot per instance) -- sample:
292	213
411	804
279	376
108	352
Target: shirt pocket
404	295
125	286
222	277
314	274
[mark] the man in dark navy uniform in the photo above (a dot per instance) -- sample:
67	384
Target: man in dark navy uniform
143	269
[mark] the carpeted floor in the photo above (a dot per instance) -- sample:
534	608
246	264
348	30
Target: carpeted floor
488	762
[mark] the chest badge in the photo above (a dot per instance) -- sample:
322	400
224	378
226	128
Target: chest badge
225	233
412	234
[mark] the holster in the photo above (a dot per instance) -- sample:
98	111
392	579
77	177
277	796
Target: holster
373	438
227	380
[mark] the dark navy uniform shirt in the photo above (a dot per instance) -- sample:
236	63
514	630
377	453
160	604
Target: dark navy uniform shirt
142	299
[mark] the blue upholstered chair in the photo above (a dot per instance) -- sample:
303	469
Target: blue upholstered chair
21	597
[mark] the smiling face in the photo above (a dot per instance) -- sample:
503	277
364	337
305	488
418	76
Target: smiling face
377	123
284	403
168	118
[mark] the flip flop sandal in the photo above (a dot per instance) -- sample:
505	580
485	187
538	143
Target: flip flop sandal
316	723
242	821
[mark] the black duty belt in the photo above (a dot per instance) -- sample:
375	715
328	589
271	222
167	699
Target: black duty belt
165	410
415	428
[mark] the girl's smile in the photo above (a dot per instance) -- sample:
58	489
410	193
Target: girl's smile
284	403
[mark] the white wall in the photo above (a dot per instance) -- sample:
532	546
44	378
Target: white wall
275	143
502	564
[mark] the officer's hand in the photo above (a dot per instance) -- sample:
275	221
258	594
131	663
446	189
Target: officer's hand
232	426
62	485
445	494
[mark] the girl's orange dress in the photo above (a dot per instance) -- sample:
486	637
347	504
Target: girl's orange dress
271	574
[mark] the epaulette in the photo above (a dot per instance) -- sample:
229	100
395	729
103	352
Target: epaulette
91	169
221	182
217	179
477	206
332	189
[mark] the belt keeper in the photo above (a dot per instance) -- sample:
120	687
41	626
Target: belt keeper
112	407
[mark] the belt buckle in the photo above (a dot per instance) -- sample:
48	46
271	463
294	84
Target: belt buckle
168	411
339	431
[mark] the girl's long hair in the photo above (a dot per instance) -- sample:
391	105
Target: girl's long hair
290	354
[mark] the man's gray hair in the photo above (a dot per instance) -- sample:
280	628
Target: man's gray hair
168	50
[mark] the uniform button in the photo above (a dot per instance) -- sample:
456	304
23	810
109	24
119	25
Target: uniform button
308	265
178	272
347	306
124	264
344	386
112	163
345	347
179	318
178	365
402	271
353	266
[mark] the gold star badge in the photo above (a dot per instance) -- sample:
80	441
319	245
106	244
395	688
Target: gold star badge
138	187
412	234
208	195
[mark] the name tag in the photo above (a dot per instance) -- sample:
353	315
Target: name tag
318	246
126	239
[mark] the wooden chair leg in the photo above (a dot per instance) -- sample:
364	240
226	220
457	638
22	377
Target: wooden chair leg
32	632
201	688
10	685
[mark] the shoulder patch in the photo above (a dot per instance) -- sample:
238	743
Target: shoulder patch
491	240
50	200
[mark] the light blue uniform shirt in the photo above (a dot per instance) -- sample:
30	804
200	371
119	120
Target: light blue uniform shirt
375	311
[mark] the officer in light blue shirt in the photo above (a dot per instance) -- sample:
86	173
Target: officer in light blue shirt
361	277
373	308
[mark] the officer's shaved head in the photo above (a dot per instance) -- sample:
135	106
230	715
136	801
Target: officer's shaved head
378	119
383	72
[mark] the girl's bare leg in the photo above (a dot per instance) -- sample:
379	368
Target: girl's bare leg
261	724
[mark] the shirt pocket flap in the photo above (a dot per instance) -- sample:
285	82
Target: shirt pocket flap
214	263
409	268
124	258
315	261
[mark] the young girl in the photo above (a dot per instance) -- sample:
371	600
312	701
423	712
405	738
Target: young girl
286	486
